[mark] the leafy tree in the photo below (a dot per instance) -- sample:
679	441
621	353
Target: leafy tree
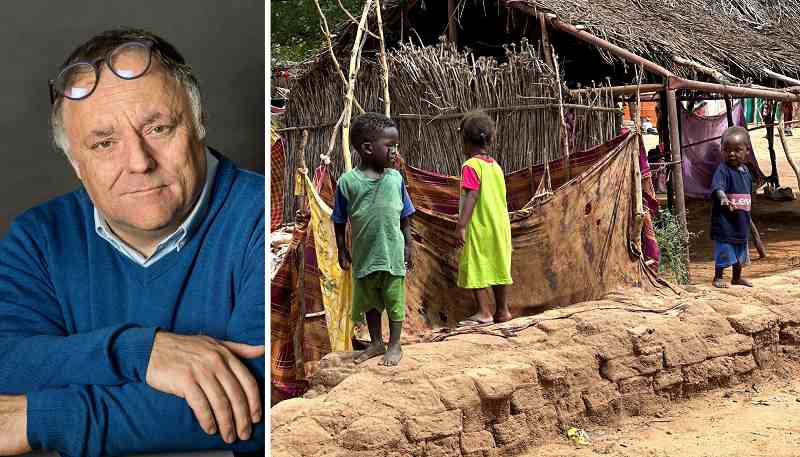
296	33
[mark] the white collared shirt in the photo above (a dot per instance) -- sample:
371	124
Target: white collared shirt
173	242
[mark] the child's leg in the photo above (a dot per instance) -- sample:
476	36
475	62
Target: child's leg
394	352
719	281
394	296
484	314
718	274
376	346
501	313
737	276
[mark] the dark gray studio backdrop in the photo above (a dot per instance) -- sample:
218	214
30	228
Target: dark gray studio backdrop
223	41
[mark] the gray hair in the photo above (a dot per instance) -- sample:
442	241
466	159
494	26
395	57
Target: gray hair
170	59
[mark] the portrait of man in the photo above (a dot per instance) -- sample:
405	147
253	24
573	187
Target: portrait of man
132	308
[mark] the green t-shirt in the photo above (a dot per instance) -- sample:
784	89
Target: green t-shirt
375	208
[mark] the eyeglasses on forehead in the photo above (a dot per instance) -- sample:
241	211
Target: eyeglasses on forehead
78	80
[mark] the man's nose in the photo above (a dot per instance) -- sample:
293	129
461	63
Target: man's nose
140	157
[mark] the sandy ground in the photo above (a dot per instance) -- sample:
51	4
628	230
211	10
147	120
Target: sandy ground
778	222
759	419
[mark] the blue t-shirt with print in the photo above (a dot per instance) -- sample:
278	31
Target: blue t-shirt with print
731	226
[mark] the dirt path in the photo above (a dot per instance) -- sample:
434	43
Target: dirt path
778	222
758	420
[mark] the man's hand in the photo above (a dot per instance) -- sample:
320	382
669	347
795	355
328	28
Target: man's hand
208	374
14	425
344	258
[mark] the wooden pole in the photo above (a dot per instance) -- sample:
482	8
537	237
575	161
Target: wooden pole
384	65
677	168
785	145
355	58
452	24
565	135
548	58
297	338
327	33
729	110
772	109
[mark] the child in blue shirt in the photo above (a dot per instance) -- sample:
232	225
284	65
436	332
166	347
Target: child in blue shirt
731	190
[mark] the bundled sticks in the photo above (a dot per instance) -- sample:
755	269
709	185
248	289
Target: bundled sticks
431	88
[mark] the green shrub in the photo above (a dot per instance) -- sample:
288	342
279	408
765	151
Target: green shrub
674	249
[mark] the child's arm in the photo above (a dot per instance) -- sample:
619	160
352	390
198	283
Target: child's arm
470	198
405	226
339	218
723	199
341	246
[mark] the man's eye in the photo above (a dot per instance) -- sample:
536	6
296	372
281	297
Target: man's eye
105	144
161	129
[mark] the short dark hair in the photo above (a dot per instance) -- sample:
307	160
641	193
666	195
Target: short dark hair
167	55
478	128
368	127
734	131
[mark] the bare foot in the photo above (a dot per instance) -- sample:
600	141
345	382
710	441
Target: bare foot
476	319
373	351
503	316
392	356
742	282
720	283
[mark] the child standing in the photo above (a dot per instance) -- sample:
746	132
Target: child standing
731	190
374	198
483	231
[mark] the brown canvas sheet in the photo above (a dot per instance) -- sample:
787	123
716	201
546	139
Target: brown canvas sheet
569	247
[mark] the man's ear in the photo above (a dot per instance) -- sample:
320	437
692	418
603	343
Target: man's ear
366	147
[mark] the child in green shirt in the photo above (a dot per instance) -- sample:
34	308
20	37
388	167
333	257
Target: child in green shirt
374	198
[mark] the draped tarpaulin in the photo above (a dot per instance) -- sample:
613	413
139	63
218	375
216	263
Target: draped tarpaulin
700	161
569	246
336	284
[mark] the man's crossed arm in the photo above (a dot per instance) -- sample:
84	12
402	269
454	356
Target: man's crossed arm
146	391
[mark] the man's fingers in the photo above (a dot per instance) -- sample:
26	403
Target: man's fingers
244	351
250	386
221	406
199	404
237	400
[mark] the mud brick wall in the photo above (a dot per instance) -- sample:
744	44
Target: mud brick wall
480	395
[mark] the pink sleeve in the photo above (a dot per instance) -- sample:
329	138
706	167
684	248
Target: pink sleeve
469	178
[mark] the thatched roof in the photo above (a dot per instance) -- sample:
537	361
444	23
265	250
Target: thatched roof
736	36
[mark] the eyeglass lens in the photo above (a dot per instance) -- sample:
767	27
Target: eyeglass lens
128	61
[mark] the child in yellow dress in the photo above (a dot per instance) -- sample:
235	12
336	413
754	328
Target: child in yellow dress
484	230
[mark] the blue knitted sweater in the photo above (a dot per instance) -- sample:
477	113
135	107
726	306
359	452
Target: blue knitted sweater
77	320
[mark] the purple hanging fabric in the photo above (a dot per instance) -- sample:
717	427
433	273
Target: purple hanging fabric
700	161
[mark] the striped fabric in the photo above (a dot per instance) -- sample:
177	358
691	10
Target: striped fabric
276	178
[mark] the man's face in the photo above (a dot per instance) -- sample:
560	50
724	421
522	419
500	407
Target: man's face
132	144
735	150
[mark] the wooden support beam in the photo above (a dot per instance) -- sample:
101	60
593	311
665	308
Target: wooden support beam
677	170
785	146
548	57
452	23
780	77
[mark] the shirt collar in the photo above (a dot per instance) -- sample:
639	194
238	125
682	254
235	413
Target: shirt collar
179	237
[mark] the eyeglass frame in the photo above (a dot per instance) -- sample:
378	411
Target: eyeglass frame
96	64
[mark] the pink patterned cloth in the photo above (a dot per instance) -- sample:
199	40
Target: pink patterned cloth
700	161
